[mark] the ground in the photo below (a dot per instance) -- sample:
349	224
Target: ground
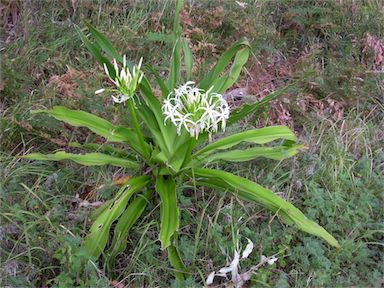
333	52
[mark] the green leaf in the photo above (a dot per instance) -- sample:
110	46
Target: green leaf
97	212
253	192
258	136
104	148
222	63
169	212
125	223
163	87
247	109
96	240
176	262
174	71
89	159
150	120
104	43
176	20
166	137
226	81
96	124
182	154
188	59
275	153
95	51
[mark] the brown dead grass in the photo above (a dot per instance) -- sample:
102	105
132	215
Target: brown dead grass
68	83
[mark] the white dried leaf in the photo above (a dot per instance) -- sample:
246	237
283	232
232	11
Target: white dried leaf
86	203
241	4
271	260
248	250
233	266
210	278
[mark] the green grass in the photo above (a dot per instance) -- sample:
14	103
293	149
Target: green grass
337	180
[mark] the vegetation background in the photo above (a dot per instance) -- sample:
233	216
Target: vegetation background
334	49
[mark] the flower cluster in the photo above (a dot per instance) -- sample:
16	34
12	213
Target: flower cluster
196	110
126	81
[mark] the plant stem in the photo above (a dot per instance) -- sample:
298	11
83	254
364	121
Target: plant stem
137	127
192	144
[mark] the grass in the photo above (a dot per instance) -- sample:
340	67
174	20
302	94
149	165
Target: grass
337	180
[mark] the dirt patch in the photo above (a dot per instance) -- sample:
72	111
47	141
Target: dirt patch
373	51
68	83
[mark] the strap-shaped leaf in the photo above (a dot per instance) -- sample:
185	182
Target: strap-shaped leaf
275	153
258	136
163	87
176	262
95	51
188	59
151	121
251	191
247	109
104	43
169	212
222	63
94	123
103	148
182	152
174	71
167	132
96	240
125	223
176	20
226	81
89	159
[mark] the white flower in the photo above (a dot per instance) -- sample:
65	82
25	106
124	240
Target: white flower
195	110
126	80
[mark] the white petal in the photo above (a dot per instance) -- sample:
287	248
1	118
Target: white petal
106	70
140	62
210	278
116	67
248	249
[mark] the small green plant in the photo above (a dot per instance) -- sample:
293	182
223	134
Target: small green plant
166	144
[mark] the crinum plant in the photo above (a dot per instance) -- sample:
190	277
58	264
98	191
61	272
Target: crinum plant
168	144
